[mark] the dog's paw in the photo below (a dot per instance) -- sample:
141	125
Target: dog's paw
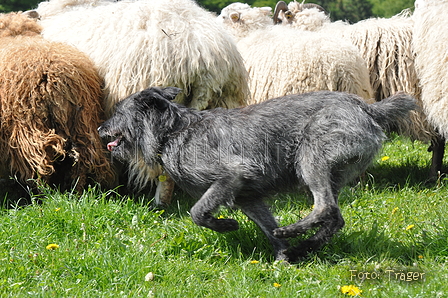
226	225
285	232
303	250
282	256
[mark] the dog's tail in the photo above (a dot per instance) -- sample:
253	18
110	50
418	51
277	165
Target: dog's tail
391	113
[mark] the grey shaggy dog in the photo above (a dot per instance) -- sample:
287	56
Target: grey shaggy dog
238	157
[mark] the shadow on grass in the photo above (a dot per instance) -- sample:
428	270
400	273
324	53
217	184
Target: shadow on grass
385	176
13	194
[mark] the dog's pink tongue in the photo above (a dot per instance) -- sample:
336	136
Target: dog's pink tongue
112	145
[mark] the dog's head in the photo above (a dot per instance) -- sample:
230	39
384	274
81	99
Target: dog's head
136	127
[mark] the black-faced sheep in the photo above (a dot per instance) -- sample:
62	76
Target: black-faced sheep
50	108
283	61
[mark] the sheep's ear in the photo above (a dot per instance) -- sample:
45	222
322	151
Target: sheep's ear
234	16
32	14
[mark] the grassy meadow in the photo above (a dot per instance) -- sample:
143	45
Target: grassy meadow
102	244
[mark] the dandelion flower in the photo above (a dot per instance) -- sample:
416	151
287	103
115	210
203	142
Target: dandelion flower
52	246
254	262
409	227
277	285
395	210
384	158
420	257
351	290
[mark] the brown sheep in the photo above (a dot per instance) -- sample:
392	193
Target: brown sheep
50	108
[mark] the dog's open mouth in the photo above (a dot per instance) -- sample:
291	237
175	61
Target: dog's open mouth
113	144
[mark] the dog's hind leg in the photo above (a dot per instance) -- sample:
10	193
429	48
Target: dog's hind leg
330	226
326	210
221	192
322	236
259	213
326	215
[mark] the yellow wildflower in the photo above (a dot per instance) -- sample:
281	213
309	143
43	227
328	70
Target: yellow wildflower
52	246
420	257
277	285
57	209
384	158
409	227
394	210
254	262
351	290
221	217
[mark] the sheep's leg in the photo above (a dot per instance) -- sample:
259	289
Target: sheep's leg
219	193
438	149
164	192
167	191
259	213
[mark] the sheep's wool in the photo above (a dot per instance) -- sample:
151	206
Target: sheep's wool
385	45
137	44
50	100
431	48
281	60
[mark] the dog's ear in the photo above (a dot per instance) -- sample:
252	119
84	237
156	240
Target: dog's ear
158	97
163	95
171	92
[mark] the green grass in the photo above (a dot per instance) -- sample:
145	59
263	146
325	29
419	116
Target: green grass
396	223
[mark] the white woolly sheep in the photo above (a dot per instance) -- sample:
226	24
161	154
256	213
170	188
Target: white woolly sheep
137	44
430	46
385	44
282	61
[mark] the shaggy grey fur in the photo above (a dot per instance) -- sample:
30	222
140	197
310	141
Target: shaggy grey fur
240	156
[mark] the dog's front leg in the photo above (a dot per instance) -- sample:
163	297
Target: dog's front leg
219	193
259	212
